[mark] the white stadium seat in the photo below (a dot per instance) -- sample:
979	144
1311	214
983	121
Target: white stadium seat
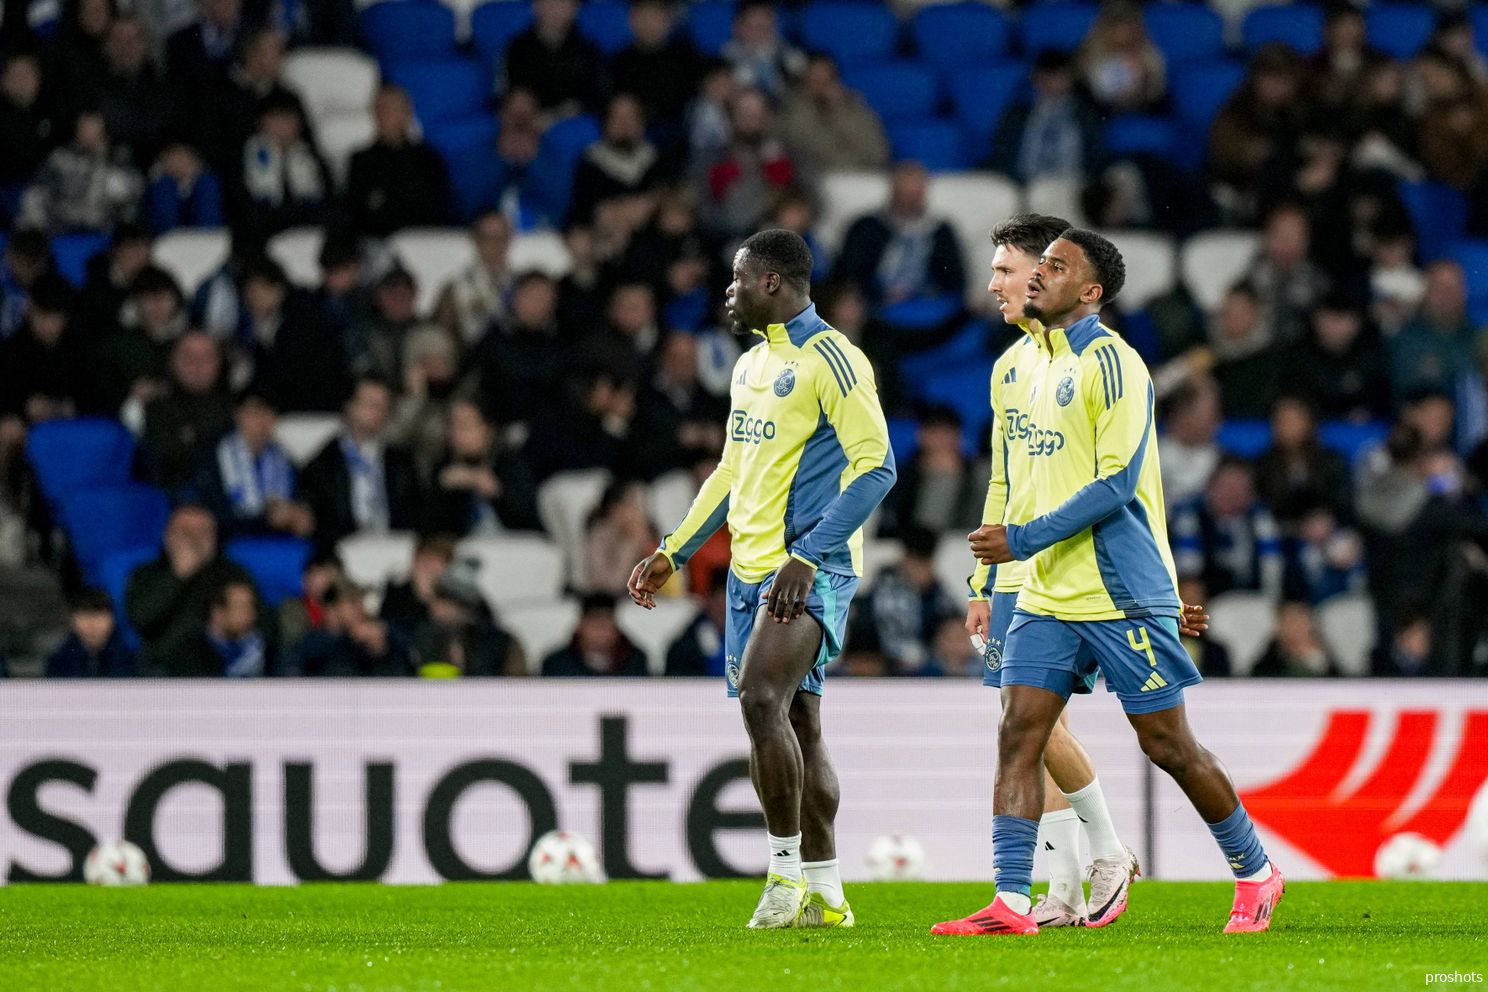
1150	262
331	80
434	255
514	568
879	554
669	498
541	250
541	628
846	196
1214	261
1347	624
298	250
374	560
974	203
564	503
953	563
340	135
1242	622
190	255
302	435
1056	197
654	631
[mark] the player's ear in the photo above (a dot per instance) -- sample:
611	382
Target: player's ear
1092	293
772	282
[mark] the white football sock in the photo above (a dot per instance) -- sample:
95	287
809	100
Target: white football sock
1090	806
1257	876
785	856
1017	902
1059	837
824	877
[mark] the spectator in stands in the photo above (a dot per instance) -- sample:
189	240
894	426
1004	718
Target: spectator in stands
676	415
517	368
287	344
1455	37
87	185
227	110
77	46
906	606
617	529
93	648
902	252
598	647
248	481
1339	71
351	644
27	258
951	652
28	123
1119	64
672	252
1407	654
554	60
793	211
284	181
132	360
461	636
359	482
473	299
398	180
1324	558
1187	448
596	430
42	366
201	53
166	600
1338	366
739	181
1450	129
431	370
181	426
1297	649
1286	281
1257	125
1435	348
581	290
517	143
831	125
1226	537
230	645
183	192
1210	656
136	102
108	278
378	338
622	163
478	485
1055	135
708	113
1384	132
660	67
1246	367
939	490
760	57
632	319
1297	473
698	651
306	612
1396	285
406	605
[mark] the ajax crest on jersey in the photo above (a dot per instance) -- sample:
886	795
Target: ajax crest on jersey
785	382
994	657
1066	391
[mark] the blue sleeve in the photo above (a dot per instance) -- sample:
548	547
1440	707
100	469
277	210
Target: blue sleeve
1084	509
848	512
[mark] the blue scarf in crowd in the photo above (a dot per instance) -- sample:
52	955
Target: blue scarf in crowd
243	658
251	482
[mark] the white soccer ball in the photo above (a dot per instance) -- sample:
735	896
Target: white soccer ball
116	862
1477	824
896	858
1407	856
561	857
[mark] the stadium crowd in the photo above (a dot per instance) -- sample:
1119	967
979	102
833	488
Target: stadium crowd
1325	421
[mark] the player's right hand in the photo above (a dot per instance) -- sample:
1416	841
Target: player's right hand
978	617
647	579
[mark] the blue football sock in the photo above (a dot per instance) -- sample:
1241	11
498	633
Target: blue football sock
1013	842
1236	837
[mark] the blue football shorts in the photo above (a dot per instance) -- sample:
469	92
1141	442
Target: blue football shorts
1003	604
827	604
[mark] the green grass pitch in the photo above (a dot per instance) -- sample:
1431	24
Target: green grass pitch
658	936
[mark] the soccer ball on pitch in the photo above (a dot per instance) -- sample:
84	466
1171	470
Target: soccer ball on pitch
896	858
1477	824
561	857
116	862
1407	856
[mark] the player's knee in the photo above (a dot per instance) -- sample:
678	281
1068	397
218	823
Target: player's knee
1016	739
1170	752
760	703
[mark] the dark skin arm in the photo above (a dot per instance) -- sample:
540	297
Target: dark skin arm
989	544
787	596
647	578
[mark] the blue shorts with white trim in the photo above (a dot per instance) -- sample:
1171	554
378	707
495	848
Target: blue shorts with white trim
827	604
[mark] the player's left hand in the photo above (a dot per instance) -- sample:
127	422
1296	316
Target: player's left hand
1193	622
787	596
989	544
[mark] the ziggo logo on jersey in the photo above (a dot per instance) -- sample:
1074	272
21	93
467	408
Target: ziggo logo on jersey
1020	427
751	430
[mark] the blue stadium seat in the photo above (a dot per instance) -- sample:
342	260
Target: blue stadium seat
902	431
73	251
1472	255
1246	438
1399	30
980	96
952	35
1185	32
937	145
275	564
493	26
467	146
409	30
1200	89
1299	26
710	23
104	521
1439	214
552	171
921	313
1349	439
1060	26
1479	17
70	455
607	24
112	575
447	89
963	389
968	346
1131	134
899	91
849	32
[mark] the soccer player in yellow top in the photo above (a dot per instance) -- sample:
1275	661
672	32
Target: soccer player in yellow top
806	461
1101	589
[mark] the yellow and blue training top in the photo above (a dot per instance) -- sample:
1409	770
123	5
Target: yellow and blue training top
807	457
